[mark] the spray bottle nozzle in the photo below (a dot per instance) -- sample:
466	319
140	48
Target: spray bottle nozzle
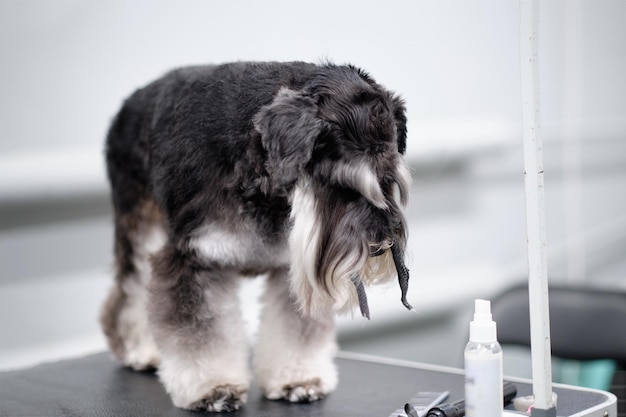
482	310
482	328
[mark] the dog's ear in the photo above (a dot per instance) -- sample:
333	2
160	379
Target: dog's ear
289	127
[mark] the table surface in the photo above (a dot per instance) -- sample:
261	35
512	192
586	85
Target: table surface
96	386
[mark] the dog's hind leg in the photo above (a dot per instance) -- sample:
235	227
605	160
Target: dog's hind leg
294	353
124	317
196	318
139	231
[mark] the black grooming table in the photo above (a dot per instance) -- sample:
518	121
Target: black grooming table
97	386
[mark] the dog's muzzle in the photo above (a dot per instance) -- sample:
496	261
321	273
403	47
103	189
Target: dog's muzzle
403	278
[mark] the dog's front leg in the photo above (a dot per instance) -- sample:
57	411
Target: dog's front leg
198	328
294	354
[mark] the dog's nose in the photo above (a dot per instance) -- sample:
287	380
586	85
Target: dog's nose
376	251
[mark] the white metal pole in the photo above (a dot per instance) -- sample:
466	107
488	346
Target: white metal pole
535	211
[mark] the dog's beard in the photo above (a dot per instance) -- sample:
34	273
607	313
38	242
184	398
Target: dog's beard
319	289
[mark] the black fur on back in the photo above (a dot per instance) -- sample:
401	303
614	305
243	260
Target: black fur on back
188	140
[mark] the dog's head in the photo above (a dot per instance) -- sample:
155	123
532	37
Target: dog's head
336	149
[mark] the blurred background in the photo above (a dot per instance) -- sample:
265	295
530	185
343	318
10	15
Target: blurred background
67	65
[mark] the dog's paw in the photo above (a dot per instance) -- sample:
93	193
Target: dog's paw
205	385
142	357
302	381
305	391
223	398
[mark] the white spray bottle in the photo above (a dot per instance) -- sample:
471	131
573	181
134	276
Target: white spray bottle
483	366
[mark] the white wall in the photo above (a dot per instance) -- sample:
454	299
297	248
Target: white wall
68	64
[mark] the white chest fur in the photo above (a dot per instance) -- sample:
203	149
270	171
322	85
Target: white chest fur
243	248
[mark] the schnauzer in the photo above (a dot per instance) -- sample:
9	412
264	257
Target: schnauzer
290	170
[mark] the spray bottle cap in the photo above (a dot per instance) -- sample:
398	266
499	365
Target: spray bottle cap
482	328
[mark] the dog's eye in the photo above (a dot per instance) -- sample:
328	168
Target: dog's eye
326	143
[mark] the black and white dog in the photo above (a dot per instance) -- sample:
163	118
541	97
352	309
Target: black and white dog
292	170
